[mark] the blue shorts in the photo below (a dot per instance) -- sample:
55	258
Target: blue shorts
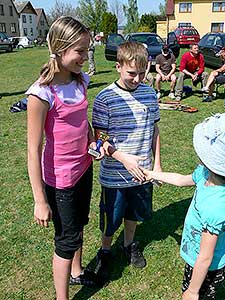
132	203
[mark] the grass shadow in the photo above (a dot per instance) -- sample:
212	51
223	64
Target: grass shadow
164	223
12	93
96	85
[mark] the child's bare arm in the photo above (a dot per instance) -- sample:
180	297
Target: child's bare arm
203	262
167	177
156	149
129	161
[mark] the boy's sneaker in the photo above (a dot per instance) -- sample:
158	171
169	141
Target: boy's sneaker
205	89
158	95
178	98
134	254
207	99
102	266
86	278
171	95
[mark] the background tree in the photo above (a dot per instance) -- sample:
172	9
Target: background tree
108	24
162	8
131	13
61	9
90	13
116	8
147	23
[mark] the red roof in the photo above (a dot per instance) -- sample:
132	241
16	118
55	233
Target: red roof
169	7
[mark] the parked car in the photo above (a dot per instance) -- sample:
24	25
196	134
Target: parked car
187	36
5	43
210	44
21	42
153	41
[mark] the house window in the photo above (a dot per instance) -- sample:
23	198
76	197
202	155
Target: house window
2	27
1	10
183	24
30	18
40	32
218	6
24	19
13	27
42	23
11	10
25	31
217	27
185	7
31	32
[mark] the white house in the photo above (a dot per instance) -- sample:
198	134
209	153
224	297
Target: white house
27	19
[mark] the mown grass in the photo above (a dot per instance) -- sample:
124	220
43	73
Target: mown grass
26	249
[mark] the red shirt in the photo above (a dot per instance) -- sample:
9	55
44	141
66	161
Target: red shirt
192	63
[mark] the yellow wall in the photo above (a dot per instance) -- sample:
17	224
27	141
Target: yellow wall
161	28
201	16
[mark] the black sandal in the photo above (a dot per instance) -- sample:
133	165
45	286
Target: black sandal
86	278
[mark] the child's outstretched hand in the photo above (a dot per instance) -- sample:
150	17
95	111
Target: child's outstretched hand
187	295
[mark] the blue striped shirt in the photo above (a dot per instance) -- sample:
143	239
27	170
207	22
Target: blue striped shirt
129	118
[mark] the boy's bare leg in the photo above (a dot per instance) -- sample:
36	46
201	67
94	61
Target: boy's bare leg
106	242
129	231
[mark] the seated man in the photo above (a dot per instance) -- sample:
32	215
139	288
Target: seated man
216	76
192	66
165	68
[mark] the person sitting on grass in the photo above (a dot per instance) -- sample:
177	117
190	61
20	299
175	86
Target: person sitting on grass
216	76
203	238
192	66
165	68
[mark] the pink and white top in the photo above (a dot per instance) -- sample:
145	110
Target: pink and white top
65	158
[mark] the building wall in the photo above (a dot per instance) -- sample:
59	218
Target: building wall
29	28
9	20
201	16
42	27
161	29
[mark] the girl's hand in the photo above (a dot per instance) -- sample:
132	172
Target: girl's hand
42	213
189	295
102	151
130	162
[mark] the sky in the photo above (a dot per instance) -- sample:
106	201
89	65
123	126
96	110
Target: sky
144	6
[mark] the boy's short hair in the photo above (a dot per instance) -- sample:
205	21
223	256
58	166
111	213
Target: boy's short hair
132	51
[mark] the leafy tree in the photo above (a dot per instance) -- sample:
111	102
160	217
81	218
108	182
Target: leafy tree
162	8
90	13
61	9
108	24
148	23
131	13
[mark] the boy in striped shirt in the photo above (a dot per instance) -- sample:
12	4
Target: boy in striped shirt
127	110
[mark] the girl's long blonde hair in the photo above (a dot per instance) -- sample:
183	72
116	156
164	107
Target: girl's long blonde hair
63	33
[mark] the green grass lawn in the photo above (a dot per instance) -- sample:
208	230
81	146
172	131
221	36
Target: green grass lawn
26	249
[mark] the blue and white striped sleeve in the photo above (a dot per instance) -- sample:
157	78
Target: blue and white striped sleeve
100	115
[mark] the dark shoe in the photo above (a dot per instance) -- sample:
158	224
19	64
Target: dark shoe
102	266
207	99
87	278
134	254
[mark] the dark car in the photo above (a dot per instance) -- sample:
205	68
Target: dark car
210	44
5	43
153	41
187	36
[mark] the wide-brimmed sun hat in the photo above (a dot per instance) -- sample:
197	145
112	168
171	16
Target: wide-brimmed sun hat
209	143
